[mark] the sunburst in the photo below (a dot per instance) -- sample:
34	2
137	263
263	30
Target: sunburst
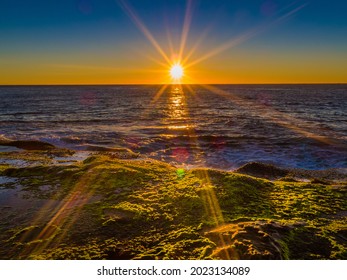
178	74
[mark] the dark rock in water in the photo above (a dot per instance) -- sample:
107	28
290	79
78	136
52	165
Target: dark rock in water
262	170
28	145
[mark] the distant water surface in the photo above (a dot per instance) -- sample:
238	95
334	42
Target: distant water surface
303	126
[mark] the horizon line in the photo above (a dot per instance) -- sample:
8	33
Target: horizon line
168	84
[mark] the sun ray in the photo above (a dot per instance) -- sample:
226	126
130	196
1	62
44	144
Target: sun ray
138	22
244	37
185	29
192	92
156	97
273	115
157	61
65	215
159	94
170	43
196	45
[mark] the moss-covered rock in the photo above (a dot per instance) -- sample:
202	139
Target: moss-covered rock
111	208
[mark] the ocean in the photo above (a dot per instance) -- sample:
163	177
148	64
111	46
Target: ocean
220	126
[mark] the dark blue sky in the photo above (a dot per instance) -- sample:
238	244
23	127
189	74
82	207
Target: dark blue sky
72	31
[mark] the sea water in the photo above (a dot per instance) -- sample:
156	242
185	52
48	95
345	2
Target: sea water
220	126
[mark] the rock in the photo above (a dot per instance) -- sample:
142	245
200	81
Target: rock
319	181
262	170
28	145
248	240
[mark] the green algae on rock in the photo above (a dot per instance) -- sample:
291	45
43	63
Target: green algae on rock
111	208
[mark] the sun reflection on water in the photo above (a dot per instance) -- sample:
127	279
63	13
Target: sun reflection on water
177	108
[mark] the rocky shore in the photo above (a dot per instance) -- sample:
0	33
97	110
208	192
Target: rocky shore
113	204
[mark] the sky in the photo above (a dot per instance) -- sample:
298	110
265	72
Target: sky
137	41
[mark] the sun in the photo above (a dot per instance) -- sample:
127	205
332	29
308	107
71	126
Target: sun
176	71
